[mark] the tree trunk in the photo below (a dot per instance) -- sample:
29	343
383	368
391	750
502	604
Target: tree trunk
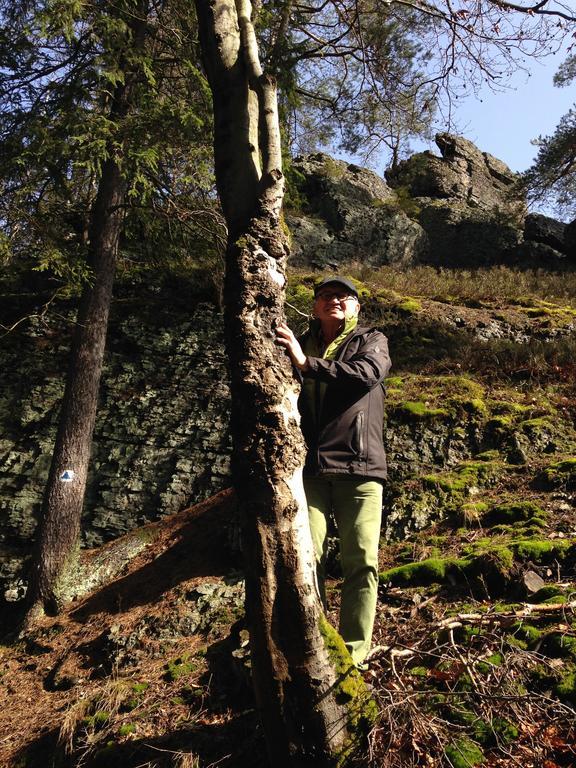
313	702
58	538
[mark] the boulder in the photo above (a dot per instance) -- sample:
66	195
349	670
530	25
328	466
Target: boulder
462	173
544	229
351	215
537	255
461	236
467	203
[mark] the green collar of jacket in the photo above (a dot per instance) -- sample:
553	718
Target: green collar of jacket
312	389
313	343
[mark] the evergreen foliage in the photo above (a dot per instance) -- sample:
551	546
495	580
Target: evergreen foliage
60	63
552	177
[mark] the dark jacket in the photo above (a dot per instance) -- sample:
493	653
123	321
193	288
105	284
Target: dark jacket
344	435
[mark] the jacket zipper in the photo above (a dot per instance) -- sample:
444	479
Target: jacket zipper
360	433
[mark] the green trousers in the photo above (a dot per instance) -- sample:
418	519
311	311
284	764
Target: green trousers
356	504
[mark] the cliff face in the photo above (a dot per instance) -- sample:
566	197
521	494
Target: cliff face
161	436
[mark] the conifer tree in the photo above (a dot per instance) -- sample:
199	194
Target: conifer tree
97	101
552	177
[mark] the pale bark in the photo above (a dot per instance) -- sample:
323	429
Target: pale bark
310	696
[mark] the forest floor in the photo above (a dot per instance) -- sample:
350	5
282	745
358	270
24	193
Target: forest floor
474	659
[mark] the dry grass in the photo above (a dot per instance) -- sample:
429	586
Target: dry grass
490	283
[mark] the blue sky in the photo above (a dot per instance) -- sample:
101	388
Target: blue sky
505	123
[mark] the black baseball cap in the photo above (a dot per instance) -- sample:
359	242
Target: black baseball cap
339	281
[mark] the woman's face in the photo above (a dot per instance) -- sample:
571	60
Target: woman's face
335	303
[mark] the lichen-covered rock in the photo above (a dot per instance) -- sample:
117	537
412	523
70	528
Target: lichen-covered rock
466	203
161	440
354	218
463	173
464	236
537	255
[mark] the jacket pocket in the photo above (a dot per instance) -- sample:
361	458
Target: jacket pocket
359	434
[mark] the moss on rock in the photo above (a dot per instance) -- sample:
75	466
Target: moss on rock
417	409
513	512
561	473
541	550
464	753
430	571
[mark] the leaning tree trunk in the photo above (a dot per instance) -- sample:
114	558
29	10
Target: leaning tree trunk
312	701
58	538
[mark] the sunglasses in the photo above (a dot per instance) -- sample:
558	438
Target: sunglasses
338	295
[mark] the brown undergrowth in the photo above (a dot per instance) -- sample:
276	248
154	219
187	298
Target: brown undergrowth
460	678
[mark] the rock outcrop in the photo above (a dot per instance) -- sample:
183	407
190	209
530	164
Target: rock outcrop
161	436
351	215
459	209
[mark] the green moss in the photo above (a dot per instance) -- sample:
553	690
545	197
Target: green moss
332	169
559	645
491	455
508	406
417	409
472	512
535	426
502	555
183	666
464	753
499	423
513	512
488	734
301	296
430	571
138	690
418	671
97	721
394	382
541	550
561	472
486	666
126	729
566	688
408	306
465	476
537	311
527	633
402	201
549	592
475	405
502	732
